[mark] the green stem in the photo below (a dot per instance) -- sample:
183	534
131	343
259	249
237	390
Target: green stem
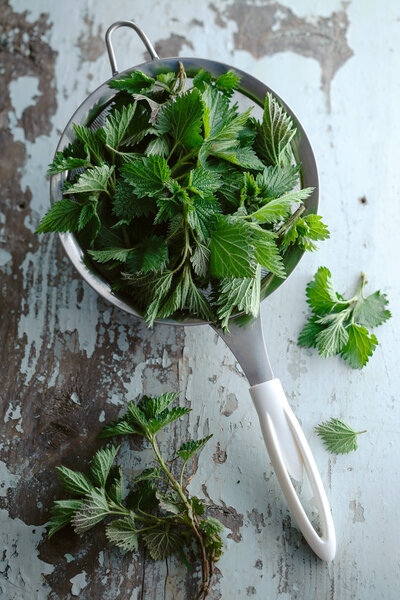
296	215
360	432
183	160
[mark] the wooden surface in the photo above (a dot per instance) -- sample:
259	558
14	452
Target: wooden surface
69	361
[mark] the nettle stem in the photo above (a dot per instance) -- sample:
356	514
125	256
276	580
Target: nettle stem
207	563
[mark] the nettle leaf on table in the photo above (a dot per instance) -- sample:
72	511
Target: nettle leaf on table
338	437
339	326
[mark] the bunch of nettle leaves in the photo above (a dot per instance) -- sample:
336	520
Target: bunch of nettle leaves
158	508
182	200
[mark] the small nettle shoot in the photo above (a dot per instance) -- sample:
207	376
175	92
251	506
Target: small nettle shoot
340	326
338	437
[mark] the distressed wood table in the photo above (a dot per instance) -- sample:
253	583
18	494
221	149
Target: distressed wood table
69	361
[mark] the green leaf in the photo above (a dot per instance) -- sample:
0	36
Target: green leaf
275	181
267	253
158	146
231	250
116	489
74	482
92	180
170	503
237	295
338	437
245	158
189	449
126	204
198	506
154	253
198	304
120	427
87	213
101	464
147	176
133	83
164	283
123	533
332	338
320	292
103	256
372	310
166	78
117	124
149	474
228	82
277	131
200	259
62	216
163	541
211	526
181	118
92	511
138	419
201	217
152	407
66	163
279	208
205	182
304	231
91	141
309	333
359	347
62	513
166	417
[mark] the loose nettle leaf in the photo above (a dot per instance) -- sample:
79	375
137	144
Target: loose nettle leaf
338	437
181	177
339	326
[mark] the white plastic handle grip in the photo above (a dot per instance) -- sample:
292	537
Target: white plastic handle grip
288	450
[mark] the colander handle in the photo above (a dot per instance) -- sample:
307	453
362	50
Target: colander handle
272	407
141	34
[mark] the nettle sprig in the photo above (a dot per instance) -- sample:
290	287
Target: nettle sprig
158	511
183	202
341	326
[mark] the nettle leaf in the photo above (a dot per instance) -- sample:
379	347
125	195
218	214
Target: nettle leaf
92	180
338	437
228	82
103	256
149	474
277	130
117	125
147	176
123	533
116	489
304	232
200	259
359	347
127	205
181	118
133	83
320	292
119	427
92	511
309	333
74	482
62	216
159	146
189	449
166	417
137	418
67	163
372	310
267	253
162	288
169	502
198	304
101	464
332	338
237	295
246	158
211	526
163	541
202	216
156	405
91	141
62	513
275	181
166	78
88	212
205	182
231	249
279	208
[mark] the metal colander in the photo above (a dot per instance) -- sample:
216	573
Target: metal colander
285	441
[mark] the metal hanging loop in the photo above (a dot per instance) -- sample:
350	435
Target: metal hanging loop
141	34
